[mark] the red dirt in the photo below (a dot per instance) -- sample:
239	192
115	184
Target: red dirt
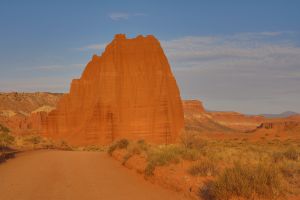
173	176
63	175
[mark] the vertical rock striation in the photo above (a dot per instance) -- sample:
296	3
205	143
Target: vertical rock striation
127	92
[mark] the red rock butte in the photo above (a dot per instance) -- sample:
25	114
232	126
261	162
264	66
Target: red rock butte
127	92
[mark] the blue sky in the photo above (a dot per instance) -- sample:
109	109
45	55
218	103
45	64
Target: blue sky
232	55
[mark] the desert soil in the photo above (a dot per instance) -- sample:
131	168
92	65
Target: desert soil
72	175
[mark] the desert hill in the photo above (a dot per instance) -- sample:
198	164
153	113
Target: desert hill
14	103
196	117
22	113
280	115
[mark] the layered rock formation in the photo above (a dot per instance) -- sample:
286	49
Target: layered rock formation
14	103
25	125
127	92
23	113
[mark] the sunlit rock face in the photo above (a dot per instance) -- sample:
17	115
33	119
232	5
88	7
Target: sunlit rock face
127	92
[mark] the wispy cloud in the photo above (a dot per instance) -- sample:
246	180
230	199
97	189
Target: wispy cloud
53	67
244	50
92	47
225	70
116	16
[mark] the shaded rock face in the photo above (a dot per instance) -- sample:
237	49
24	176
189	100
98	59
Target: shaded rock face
127	92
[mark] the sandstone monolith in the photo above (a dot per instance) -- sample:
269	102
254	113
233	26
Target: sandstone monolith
127	92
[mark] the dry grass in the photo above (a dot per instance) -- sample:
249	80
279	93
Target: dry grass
265	169
121	144
203	167
246	181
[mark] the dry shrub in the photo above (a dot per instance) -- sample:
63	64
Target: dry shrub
135	148
192	140
277	157
63	145
289	169
204	167
291	154
120	144
246	181
6	139
33	139
4	129
96	148
162	155
190	154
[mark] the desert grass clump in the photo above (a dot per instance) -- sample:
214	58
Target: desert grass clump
291	153
203	167
33	139
63	145
96	148
277	157
4	129
161	156
289	169
192	140
120	144
149	170
190	154
166	154
126	157
247	182
5	140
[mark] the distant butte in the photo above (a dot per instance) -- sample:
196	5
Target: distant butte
127	92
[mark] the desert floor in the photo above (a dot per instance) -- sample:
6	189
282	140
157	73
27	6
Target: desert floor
71	175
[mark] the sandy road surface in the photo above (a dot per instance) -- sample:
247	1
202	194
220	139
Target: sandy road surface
71	175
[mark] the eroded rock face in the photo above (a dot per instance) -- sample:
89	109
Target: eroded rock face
127	92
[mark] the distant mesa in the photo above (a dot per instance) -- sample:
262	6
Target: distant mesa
280	115
127	92
193	106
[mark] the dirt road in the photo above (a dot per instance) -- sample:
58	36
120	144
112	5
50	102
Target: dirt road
67	175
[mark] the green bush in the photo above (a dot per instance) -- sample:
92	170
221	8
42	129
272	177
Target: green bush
246	181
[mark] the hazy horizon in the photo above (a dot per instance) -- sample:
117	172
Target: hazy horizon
242	57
